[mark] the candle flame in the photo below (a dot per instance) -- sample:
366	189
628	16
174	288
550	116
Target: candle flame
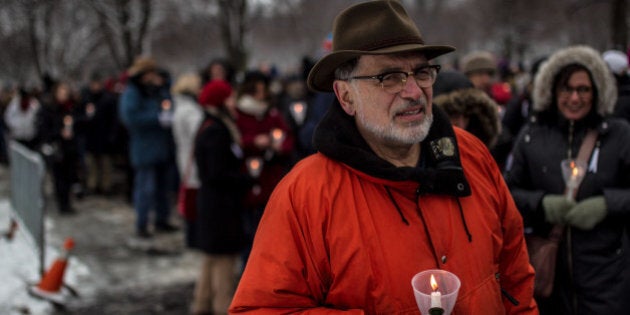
574	171
277	134
166	104
434	284
298	107
67	120
254	164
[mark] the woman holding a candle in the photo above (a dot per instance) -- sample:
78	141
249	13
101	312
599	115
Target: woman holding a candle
56	129
573	93
267	138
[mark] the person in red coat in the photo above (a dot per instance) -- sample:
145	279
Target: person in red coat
266	140
393	190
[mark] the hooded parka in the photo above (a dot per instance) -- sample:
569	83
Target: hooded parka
591	270
345	231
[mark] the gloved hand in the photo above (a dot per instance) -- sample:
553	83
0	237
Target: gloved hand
556	207
166	118
587	213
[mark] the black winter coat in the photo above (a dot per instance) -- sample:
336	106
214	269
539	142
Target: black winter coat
223	189
591	267
100	129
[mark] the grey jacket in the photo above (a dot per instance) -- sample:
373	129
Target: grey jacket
591	265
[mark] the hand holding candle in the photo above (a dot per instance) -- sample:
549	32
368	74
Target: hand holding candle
298	112
254	167
166	115
90	110
66	132
166	105
277	137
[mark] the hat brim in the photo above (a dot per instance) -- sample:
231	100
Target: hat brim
322	75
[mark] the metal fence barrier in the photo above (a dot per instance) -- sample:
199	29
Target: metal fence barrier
28	172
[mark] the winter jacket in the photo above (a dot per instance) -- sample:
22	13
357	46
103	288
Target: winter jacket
223	187
345	231
52	119
150	143
590	271
275	164
622	109
186	120
99	128
21	123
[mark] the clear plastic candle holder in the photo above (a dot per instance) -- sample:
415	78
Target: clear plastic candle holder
441	294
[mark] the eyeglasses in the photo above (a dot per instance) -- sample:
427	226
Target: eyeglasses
395	81
582	91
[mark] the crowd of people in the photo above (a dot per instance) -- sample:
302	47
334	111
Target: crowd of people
335	195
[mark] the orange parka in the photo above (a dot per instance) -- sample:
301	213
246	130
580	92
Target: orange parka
336	239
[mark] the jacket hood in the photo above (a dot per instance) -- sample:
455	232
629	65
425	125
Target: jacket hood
338	138
479	108
604	82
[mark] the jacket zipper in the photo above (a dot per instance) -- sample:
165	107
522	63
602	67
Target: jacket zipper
572	294
570	267
505	293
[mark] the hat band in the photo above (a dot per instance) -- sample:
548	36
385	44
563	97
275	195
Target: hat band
386	43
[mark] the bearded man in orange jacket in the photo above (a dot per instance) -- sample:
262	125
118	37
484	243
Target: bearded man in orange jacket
393	190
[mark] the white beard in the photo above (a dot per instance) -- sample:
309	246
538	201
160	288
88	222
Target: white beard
405	135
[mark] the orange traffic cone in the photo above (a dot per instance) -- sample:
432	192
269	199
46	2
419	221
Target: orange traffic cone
50	285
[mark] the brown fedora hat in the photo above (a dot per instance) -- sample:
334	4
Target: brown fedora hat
370	28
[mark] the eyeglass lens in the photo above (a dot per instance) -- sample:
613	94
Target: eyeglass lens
581	90
394	82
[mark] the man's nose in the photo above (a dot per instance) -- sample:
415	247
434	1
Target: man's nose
411	89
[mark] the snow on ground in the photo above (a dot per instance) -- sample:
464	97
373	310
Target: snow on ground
19	267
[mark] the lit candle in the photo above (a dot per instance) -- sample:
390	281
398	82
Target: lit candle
66	132
298	111
277	135
90	109
575	172
166	105
254	166
435	295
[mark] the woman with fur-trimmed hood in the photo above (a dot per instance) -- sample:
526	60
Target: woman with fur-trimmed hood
573	93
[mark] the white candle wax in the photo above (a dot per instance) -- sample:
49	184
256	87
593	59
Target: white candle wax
435	299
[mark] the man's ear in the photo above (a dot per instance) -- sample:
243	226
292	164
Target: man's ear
344	95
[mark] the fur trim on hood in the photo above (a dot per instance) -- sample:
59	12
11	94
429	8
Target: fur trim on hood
604	82
478	107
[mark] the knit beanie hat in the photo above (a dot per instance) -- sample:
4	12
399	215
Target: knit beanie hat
478	61
449	81
616	60
215	93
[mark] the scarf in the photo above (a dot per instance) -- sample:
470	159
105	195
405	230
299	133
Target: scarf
252	106
227	120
